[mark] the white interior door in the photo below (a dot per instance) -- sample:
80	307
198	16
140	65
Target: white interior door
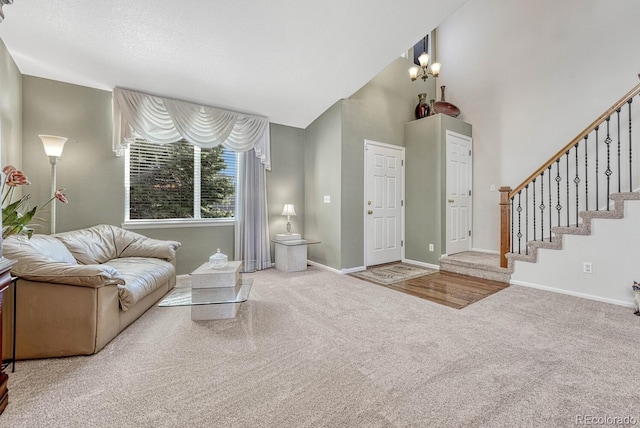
384	178
459	177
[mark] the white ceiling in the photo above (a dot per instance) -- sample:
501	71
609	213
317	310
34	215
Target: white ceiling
289	60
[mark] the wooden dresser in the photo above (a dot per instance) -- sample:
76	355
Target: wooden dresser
5	281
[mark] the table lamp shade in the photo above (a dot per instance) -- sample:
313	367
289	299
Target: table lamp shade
288	210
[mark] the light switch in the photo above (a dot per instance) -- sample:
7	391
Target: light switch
327	199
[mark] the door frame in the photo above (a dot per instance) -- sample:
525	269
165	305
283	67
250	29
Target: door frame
470	225
401	149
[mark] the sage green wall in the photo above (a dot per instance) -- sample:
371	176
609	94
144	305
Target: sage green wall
425	173
198	243
285	181
378	112
322	166
10	109
94	177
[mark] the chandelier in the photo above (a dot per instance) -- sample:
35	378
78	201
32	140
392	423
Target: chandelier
424	71
2	3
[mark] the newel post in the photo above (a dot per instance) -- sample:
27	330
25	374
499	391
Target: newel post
505	224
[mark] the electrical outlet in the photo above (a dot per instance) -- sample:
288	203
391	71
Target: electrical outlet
492	188
430	247
587	267
327	199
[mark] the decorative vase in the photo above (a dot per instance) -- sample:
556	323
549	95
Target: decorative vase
445	107
433	110
422	109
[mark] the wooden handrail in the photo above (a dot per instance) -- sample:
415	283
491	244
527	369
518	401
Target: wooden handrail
632	93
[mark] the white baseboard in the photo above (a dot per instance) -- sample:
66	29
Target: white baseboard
340	272
183	276
352	270
423	264
574	293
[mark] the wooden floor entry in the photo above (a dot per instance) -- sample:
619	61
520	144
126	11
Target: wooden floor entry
449	289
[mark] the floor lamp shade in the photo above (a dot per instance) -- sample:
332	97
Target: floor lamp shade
53	145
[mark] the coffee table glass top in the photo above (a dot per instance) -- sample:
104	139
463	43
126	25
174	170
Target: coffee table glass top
185	296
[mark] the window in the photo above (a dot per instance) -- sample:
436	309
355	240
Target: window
179	181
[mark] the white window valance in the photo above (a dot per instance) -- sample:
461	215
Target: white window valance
164	120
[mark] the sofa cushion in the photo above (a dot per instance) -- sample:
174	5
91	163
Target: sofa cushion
104	242
68	274
21	248
90	246
142	277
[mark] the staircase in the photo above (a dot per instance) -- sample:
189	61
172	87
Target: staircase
487	265
589	178
582	228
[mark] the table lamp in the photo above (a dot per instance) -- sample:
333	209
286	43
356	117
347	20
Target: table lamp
288	210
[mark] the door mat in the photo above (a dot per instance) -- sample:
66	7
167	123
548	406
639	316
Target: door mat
393	273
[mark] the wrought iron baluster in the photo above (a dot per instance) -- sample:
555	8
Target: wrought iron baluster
512	222
550	209
568	203
597	165
619	152
534	209
542	207
586	174
608	171
558	180
630	149
519	209
577	181
526	219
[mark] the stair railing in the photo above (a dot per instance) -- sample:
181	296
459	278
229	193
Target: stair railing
579	177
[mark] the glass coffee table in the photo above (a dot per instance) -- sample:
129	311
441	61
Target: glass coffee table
213	293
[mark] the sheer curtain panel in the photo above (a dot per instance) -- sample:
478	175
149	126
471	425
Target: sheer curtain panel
252	226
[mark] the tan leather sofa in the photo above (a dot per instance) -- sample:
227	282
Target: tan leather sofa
77	290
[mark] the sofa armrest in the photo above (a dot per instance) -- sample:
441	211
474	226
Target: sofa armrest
152	248
92	276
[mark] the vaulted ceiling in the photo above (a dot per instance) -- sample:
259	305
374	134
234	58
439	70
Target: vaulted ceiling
285	59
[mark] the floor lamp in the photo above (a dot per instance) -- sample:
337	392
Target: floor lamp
53	148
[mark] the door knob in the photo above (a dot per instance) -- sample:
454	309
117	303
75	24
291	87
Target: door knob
450	200
369	212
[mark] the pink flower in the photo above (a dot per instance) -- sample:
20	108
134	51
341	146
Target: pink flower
60	196
15	177
9	169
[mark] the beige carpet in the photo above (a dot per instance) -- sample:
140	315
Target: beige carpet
316	349
393	273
